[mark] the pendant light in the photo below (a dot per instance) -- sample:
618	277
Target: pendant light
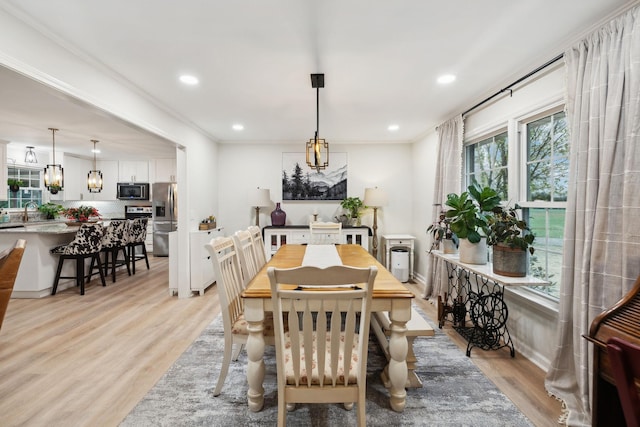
30	155
94	177
317	149
53	173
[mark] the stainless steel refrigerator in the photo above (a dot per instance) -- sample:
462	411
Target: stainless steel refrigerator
164	196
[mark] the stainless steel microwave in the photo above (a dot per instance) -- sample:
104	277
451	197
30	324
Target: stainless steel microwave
133	191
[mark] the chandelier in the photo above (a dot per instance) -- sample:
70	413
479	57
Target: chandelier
53	173
94	177
30	155
317	149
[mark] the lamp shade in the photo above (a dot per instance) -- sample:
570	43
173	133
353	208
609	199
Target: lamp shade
375	197
259	197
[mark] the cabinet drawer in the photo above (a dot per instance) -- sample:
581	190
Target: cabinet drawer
299	237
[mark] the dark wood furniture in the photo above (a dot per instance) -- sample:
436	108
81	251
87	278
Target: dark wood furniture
622	321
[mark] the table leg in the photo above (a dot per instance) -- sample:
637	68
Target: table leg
254	314
399	315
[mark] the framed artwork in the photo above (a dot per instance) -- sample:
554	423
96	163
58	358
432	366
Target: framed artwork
300	182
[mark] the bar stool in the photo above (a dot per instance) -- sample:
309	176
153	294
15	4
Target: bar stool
86	244
137	236
115	239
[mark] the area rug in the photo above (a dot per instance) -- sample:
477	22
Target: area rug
455	392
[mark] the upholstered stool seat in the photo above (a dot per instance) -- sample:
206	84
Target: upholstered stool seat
137	236
114	241
86	244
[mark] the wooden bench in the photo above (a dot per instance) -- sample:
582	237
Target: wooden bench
416	327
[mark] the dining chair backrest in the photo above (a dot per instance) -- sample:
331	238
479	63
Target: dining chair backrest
246	256
625	365
258	245
9	264
325	233
226	266
322	357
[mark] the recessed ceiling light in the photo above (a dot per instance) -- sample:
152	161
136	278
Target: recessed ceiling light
393	128
446	78
237	126
189	80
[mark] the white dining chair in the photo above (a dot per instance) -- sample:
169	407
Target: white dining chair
322	357
246	255
323	233
258	245
230	286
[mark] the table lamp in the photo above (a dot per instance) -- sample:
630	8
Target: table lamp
375	198
260	197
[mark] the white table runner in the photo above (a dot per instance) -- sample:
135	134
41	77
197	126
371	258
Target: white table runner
321	256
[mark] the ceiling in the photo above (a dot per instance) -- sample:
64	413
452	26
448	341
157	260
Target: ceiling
254	58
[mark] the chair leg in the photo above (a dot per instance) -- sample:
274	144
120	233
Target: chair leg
226	360
80	273
126	258
57	279
96	257
144	252
237	352
132	257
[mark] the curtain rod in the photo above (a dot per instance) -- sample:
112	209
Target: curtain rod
508	88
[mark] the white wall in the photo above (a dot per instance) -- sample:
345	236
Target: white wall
247	166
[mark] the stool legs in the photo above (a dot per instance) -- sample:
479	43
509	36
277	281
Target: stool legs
80	273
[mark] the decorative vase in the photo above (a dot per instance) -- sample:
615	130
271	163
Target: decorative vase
278	216
449	246
508	261
473	253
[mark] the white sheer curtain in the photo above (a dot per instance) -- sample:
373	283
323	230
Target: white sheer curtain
602	239
448	176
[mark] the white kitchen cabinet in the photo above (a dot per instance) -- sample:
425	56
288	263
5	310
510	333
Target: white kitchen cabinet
3	170
162	170
109	169
276	236
201	267
133	171
76	171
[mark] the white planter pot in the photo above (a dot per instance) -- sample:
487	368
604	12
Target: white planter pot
473	253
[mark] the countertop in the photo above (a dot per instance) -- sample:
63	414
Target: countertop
51	227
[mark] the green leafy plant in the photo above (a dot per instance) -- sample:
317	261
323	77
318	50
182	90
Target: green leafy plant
51	210
353	205
505	227
470	211
441	230
14	184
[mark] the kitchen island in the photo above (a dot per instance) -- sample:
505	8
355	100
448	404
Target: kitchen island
38	266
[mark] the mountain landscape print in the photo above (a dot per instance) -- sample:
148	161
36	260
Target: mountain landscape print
300	182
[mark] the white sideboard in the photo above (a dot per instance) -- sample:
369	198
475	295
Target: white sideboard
276	236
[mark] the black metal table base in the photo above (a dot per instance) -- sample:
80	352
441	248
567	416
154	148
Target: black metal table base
475	305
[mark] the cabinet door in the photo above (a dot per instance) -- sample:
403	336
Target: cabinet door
133	171
76	171
109	169
163	170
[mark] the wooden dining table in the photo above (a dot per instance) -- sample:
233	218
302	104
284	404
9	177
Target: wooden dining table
389	294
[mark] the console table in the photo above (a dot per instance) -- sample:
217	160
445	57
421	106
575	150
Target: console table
474	301
275	236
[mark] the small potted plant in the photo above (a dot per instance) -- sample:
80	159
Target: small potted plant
14	184
353	205
50	210
54	188
511	239
469	219
442	233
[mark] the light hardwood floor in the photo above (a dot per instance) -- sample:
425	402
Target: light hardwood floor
72	360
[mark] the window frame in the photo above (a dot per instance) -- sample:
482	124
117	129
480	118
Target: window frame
517	184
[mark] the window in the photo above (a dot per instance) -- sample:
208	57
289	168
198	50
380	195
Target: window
546	185
537	149
487	162
30	190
